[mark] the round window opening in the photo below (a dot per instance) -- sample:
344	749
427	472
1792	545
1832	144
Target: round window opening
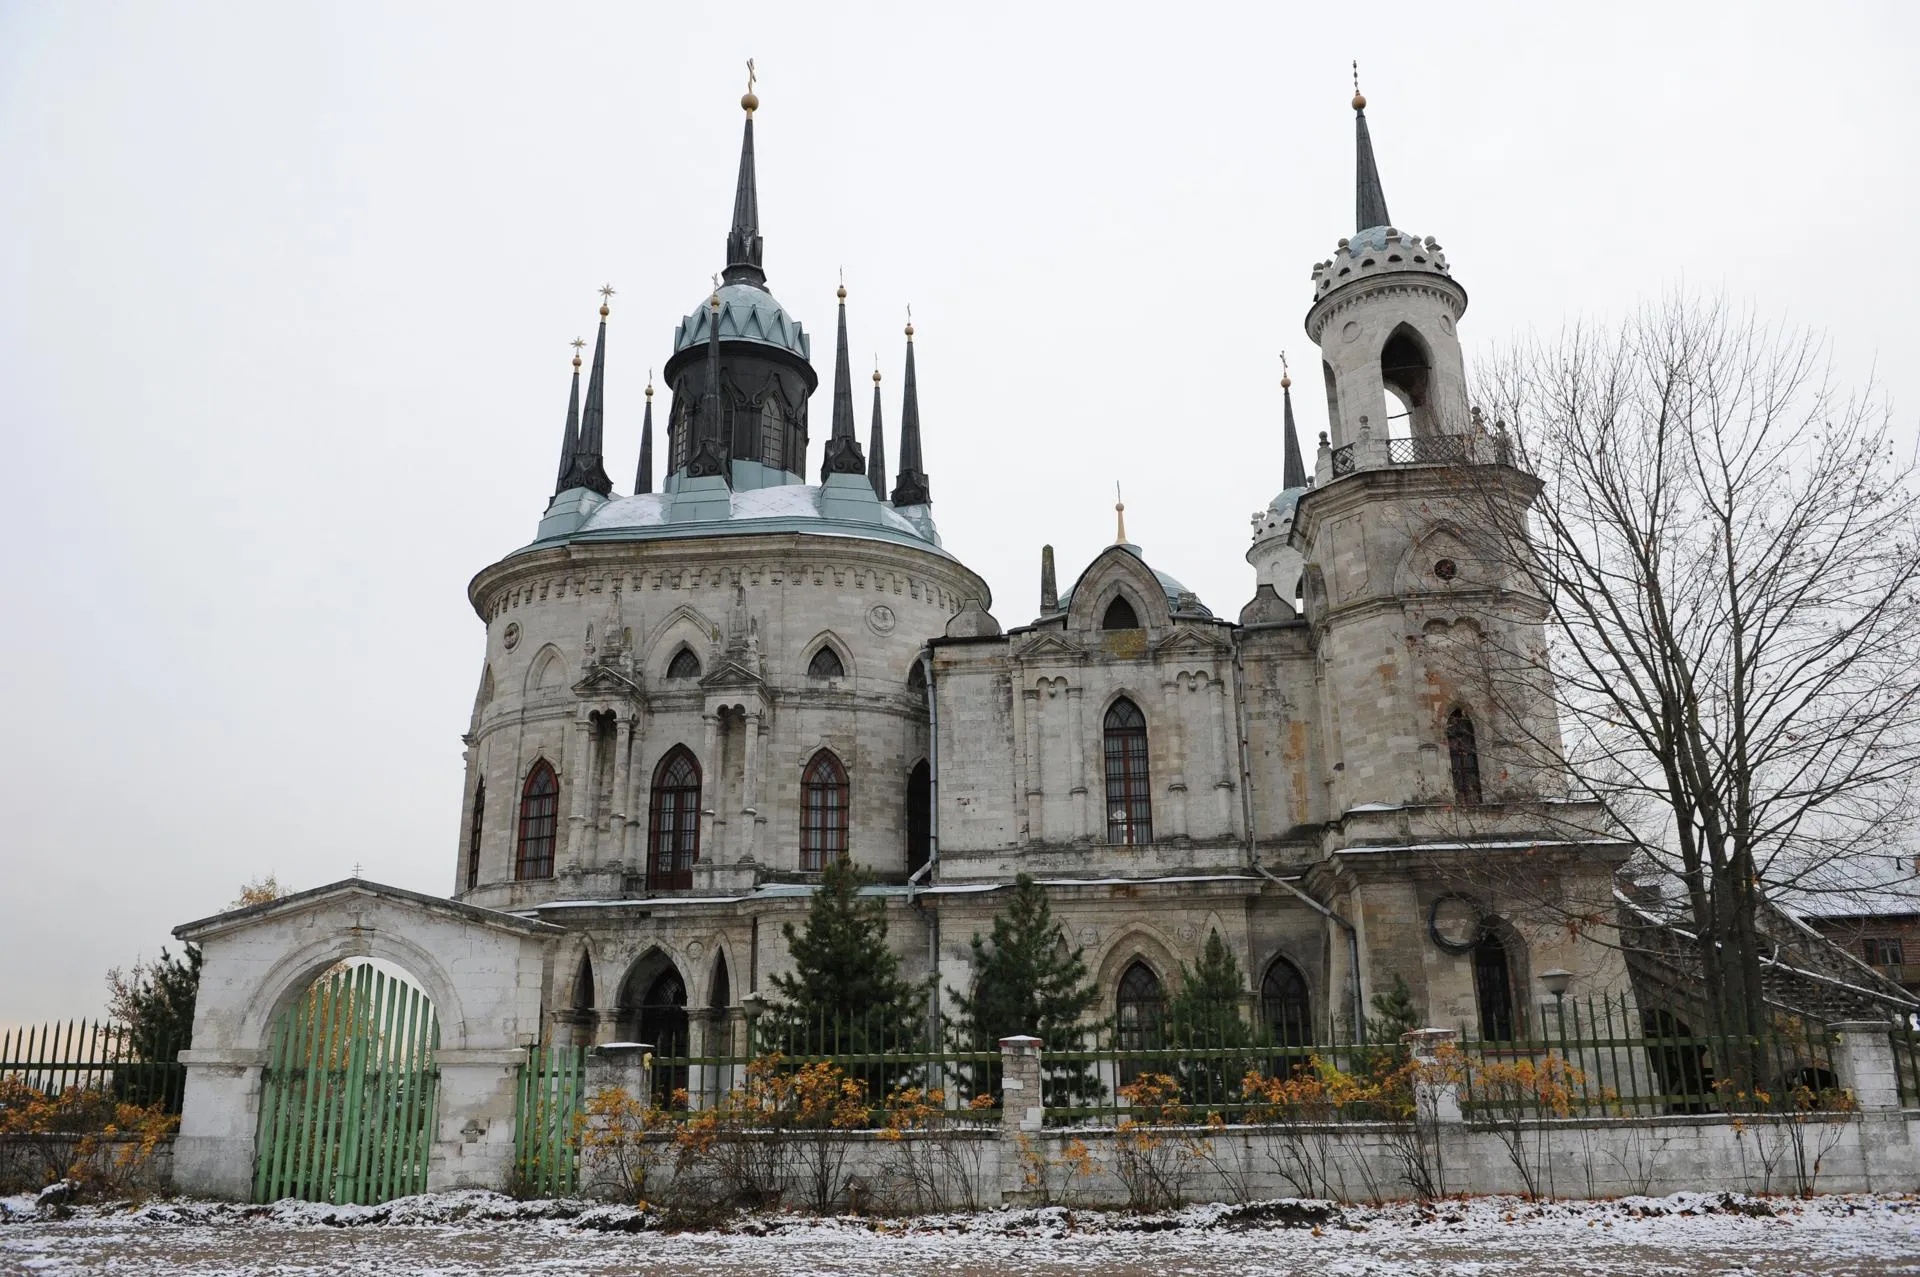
1446	570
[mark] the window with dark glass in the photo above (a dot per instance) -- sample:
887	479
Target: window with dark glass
684	664
1129	808
663	1026
473	834
1120	616
825	664
823	811
673	822
539	818
1285	1006
1493	987
1138	1012
1883	952
919	816
1463	757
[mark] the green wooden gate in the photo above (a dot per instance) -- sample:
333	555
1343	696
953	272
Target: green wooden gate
347	1104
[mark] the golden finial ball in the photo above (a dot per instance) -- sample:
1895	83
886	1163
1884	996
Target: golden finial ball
604	312
876	376
841	292
909	329
576	361
1286	382
649	390
1359	102
749	103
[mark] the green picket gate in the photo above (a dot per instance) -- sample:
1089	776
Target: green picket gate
347	1102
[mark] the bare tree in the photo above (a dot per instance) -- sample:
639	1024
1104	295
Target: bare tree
1727	548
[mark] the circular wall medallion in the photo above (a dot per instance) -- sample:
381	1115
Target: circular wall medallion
511	635
1446	569
695	948
1455	923
1351	331
880	619
1446	323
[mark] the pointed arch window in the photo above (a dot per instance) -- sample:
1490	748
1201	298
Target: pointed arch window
673	822
1285	1005
919	816
1139	1008
473	834
1129	807
684	664
539	820
823	811
826	664
1463	756
1120	616
1493	989
663	1026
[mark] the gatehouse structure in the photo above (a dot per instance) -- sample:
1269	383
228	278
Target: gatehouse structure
697	693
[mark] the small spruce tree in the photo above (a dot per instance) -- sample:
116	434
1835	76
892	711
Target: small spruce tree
845	995
1027	980
1204	1017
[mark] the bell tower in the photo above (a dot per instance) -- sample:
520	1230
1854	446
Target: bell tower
1384	313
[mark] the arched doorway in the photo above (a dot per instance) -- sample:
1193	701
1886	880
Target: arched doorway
348	1097
653	1010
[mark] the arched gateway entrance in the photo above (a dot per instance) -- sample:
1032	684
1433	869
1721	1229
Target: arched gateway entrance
315	1072
350	1091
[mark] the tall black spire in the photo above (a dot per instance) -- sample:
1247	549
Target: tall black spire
706	456
588	469
570	439
1370	202
643	477
877	446
1293	473
911	488
743	240
843	449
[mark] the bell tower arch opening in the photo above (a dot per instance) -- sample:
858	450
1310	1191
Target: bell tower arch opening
1406	375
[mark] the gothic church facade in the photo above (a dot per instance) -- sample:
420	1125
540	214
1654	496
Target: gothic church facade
694	697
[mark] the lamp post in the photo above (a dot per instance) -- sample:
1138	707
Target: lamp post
1555	980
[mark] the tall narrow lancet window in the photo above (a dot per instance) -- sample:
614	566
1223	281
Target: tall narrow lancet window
673	822
1138	1011
539	820
1120	616
1285	1006
473	834
1493	988
1129	807
826	664
1463	757
919	816
684	664
823	812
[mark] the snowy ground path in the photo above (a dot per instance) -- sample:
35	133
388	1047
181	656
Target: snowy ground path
471	1234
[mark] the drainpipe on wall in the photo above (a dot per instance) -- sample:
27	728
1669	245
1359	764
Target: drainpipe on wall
928	916
1253	853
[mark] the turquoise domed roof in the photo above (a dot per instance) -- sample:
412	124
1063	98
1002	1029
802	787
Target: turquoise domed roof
747	313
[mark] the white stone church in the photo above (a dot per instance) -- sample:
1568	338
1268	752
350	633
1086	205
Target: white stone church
695	695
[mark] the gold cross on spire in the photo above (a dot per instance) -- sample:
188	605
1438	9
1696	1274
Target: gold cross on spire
1359	102
1286	374
750	75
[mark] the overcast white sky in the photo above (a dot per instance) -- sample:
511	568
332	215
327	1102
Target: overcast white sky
286	292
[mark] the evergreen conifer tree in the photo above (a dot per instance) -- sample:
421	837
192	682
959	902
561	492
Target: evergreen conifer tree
1027	980
845	995
1204	1017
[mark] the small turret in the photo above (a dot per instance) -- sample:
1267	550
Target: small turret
589	468
843	449
877	446
570	438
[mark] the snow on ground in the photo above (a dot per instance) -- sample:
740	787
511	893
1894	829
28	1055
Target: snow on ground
474	1234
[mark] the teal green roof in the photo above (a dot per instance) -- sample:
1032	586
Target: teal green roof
747	313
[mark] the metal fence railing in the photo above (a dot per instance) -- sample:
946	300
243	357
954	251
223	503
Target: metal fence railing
130	1066
1579	1058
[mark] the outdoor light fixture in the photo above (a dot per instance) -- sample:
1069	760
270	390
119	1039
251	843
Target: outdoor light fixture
1556	981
